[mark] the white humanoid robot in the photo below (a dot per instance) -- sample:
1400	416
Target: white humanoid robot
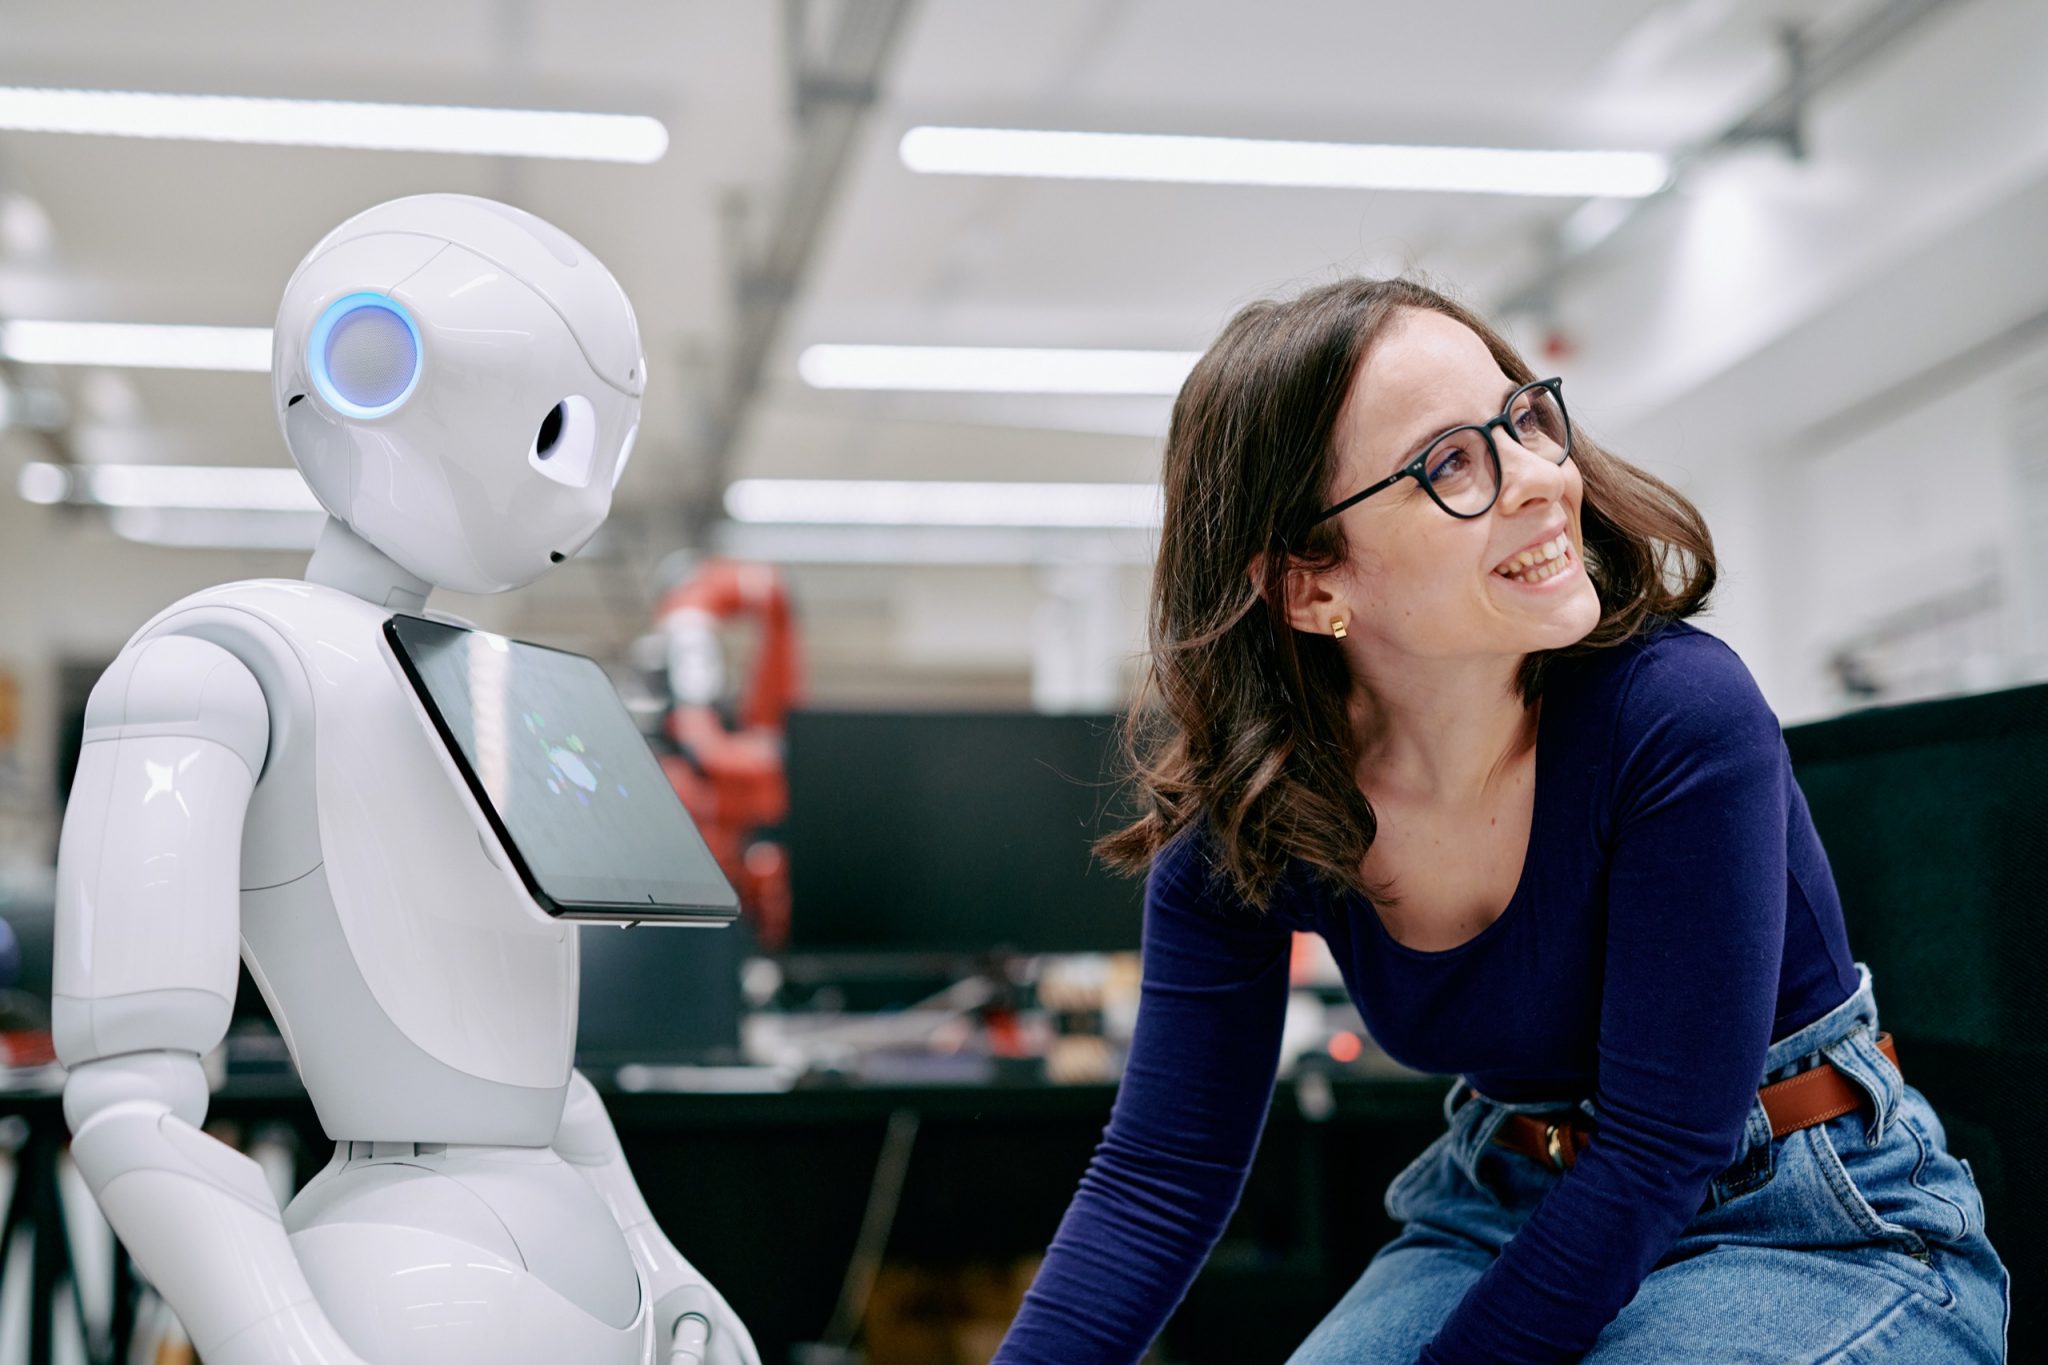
460	384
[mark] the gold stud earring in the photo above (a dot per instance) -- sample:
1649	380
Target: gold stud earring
1337	626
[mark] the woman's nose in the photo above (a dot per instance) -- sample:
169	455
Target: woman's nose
1524	473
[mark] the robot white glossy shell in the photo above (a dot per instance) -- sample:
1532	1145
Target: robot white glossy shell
513	319
142	957
444	484
428	1002
452	949
373	264
144	952
411	1296
554	264
523	1207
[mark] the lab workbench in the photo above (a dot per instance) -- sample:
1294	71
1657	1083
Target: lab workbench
768	1192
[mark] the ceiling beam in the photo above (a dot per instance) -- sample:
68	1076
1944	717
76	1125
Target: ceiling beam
833	92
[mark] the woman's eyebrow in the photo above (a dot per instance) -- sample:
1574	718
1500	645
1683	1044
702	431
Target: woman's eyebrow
1421	443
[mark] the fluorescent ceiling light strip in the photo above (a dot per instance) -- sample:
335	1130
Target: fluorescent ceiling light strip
881	502
1248	161
245	488
239	488
44	483
994	369
337	123
216	528
934	544
136	345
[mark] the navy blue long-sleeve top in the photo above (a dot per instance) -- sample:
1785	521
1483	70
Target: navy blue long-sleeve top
1675	915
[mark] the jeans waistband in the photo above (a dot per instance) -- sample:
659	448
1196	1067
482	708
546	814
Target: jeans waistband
1859	1011
1846	1036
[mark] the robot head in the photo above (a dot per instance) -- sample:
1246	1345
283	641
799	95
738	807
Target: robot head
459	381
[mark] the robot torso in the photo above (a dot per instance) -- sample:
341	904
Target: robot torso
422	993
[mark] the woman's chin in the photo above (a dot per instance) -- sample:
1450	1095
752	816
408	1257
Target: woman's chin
1554	622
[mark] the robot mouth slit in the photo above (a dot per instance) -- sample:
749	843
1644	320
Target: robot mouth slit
555	556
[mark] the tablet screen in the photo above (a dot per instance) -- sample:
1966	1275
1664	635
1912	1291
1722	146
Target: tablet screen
564	776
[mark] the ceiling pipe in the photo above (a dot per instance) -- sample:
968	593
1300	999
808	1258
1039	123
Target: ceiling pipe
832	92
1812	65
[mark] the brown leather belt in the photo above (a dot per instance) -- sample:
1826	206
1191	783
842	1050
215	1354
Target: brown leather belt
1811	1097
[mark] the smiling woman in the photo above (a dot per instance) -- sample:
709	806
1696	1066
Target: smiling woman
1257	726
1402	645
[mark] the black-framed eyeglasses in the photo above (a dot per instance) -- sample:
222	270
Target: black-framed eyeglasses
1460	469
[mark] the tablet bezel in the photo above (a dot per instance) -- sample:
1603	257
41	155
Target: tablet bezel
695	903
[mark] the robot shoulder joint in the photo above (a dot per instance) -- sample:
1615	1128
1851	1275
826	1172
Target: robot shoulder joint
181	685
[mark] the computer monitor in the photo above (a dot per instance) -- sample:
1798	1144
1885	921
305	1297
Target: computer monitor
1935	819
955	832
1935	822
658	993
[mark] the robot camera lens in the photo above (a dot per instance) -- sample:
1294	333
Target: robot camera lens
550	432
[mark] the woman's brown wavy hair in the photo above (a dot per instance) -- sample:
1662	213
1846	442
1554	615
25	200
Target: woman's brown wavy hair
1240	717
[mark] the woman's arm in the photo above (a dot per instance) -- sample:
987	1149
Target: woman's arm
1696	929
1187	1119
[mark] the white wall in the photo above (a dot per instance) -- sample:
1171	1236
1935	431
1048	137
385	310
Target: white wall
1913	544
1726	337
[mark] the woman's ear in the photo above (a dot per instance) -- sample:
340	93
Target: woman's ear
1306	598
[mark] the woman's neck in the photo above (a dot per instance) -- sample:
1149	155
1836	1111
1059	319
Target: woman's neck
1447	740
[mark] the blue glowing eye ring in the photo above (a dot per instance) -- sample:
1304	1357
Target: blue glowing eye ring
316	353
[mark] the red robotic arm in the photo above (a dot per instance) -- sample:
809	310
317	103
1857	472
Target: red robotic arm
731	780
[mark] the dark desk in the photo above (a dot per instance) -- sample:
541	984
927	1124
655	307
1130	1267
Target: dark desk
766	1192
775	1186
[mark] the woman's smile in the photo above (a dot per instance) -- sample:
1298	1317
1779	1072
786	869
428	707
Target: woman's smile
1545	573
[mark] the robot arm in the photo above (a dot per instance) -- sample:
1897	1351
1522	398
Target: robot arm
146	941
692	1323
732	781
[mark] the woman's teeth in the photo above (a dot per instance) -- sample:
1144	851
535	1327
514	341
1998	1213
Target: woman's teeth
1543	561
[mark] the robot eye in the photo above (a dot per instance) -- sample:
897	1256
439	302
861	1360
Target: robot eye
550	433
565	440
364	355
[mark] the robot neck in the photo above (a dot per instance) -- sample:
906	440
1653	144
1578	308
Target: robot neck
342	559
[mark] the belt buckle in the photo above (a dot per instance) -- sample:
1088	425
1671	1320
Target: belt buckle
1552	1146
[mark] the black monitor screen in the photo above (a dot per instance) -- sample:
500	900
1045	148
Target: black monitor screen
955	833
563	775
1936	830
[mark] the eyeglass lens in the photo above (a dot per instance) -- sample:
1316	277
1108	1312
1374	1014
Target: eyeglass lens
1463	472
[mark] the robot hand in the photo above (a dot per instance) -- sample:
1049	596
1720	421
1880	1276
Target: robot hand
699	1328
692	1321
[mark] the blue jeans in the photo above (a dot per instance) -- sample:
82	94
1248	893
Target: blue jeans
1857	1239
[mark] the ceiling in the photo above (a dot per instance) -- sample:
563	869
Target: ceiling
984	261
162	231
180	232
